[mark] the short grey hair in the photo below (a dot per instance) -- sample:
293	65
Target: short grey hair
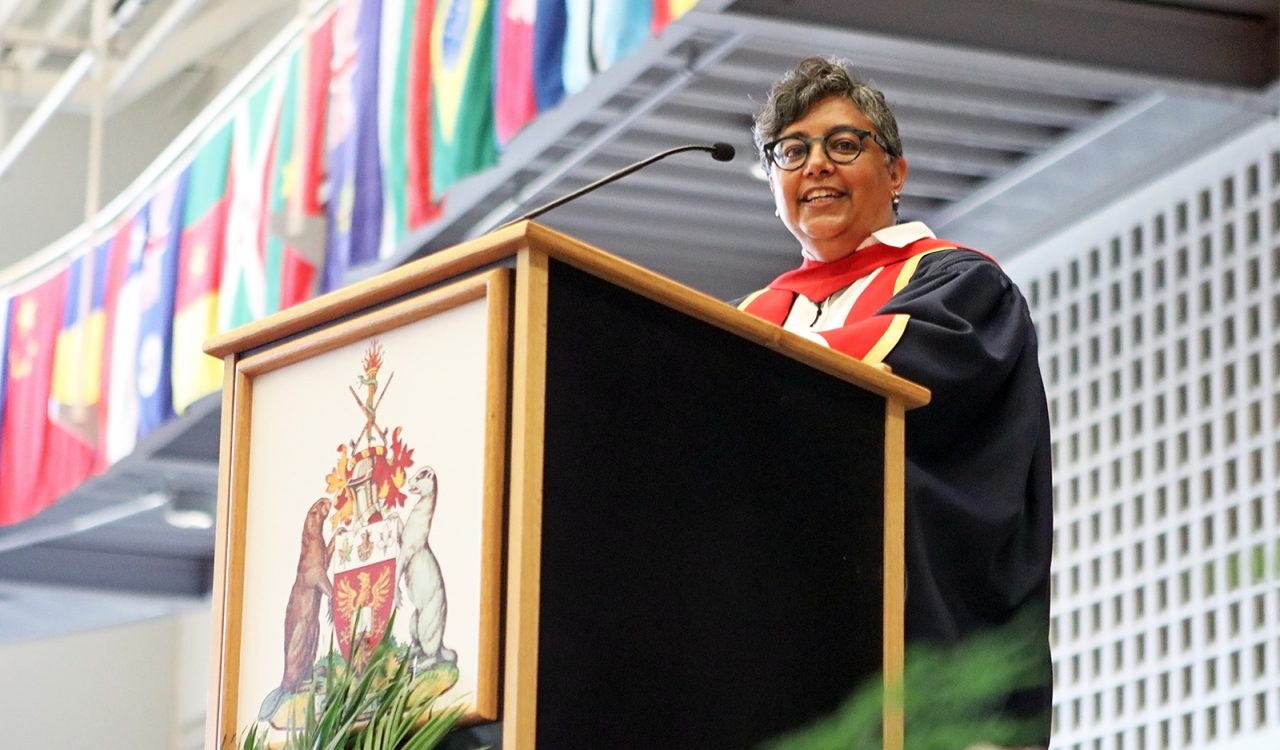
812	80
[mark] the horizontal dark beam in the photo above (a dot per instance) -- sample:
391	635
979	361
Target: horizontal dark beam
1195	45
61	565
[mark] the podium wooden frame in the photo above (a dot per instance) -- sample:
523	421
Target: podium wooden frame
555	594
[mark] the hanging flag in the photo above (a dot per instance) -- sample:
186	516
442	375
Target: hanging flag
579	64
421	208
405	120
200	256
242	297
290	267
124	323
310	199
157	279
548	53
666	11
355	170
33	330
4	360
618	29
598	33
77	358
71	438
462	133
513	89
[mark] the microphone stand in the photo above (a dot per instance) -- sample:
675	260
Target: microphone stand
718	151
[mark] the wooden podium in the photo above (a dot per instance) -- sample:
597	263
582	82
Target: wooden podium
692	532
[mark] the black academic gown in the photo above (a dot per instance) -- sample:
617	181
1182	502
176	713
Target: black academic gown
979	524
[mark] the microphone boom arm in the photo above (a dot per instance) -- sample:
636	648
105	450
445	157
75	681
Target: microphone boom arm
719	152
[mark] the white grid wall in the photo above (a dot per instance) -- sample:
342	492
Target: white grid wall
1159	326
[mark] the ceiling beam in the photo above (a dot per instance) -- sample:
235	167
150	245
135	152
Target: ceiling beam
17	36
196	40
1151	39
911	54
68	565
164	27
70	10
7	10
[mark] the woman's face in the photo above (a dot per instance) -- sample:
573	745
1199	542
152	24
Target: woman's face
831	208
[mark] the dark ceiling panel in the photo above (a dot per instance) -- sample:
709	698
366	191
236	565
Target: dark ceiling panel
1232	44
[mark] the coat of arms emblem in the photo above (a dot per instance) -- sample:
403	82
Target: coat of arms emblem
365	553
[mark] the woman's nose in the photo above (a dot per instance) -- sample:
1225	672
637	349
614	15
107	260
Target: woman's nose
816	162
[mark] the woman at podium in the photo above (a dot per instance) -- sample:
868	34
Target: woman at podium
978	485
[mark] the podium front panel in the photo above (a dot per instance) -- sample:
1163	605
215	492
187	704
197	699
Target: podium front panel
712	530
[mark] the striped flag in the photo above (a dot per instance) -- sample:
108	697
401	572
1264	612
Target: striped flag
515	103
548	53
200	254
124	324
119	258
406	120
290	269
33	330
77	358
355	169
70	451
157	280
462	133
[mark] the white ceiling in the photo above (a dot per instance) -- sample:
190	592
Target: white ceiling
1017	117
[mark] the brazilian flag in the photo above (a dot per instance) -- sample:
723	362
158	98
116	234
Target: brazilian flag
462	129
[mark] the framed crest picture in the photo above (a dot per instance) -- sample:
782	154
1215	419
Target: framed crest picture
365	489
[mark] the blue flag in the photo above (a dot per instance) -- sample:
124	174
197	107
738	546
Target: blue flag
355	164
619	28
77	358
156	283
548	53
579	64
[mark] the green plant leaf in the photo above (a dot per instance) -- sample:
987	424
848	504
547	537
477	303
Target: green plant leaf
375	710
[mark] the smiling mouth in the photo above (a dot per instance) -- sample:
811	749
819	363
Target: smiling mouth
821	196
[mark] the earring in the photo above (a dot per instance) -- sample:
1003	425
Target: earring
896	202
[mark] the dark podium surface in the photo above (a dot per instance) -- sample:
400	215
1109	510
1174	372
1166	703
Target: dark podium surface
711	530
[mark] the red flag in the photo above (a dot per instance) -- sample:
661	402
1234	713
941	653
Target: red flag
320	51
666	11
34	321
661	16
200	257
421	209
513	91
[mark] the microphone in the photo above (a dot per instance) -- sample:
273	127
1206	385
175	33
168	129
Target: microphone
718	151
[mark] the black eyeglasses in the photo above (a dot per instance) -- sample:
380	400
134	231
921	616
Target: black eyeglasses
842	145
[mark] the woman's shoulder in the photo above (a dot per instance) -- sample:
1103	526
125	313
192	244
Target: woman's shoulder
949	258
